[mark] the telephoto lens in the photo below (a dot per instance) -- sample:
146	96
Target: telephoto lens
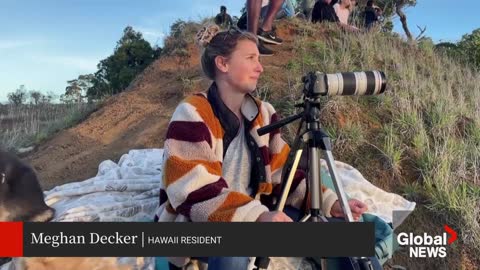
349	83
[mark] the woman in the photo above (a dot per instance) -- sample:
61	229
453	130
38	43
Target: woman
217	168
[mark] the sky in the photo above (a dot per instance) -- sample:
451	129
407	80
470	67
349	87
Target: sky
43	44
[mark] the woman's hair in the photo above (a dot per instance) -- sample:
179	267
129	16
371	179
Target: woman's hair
218	43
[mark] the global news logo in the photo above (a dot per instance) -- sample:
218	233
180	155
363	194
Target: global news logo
427	246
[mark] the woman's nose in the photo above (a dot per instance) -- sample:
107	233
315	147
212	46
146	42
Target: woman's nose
259	67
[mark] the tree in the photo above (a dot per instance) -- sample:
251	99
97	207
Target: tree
77	89
131	56
399	7
18	97
35	97
100	87
48	98
176	29
469	47
450	49
466	50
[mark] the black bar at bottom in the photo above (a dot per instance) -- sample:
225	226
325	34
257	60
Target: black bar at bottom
107	239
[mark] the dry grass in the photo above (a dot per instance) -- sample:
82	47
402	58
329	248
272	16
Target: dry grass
427	124
27	125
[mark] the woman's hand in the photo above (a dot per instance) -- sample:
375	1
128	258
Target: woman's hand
274	216
357	207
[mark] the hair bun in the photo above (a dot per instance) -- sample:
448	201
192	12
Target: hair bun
205	35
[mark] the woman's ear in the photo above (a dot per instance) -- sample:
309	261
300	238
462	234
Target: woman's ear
221	63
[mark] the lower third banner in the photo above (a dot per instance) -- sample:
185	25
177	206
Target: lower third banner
107	239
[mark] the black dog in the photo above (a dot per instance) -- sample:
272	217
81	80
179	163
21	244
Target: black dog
21	197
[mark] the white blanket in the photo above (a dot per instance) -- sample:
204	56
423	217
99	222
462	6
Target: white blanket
129	191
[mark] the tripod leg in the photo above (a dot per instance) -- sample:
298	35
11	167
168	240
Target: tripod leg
336	180
315	184
288	184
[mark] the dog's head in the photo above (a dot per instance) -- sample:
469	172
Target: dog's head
21	197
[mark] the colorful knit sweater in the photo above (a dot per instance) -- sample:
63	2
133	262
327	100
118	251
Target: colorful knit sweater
198	135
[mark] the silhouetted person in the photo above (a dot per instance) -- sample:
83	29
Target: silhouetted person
323	11
223	19
372	14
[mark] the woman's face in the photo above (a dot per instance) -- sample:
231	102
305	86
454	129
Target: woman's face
243	68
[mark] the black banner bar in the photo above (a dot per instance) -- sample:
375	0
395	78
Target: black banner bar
108	239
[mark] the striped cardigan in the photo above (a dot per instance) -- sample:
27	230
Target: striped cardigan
198	135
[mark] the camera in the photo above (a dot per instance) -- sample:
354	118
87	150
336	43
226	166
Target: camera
344	83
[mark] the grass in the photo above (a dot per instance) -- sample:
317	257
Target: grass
351	136
392	149
429	118
28	125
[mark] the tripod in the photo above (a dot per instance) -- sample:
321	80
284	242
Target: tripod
317	141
